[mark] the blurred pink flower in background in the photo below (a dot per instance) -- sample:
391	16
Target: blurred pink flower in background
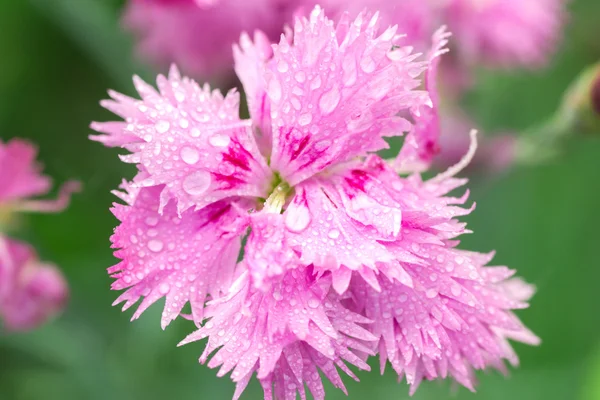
343	258
506	33
30	291
199	35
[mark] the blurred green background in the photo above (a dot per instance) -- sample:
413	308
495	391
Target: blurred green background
59	57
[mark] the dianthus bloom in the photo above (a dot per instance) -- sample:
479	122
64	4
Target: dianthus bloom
343	258
30	291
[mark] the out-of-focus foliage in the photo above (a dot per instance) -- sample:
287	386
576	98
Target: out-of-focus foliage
59	56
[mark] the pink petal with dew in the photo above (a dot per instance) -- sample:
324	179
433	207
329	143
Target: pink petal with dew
188	258
251	59
189	139
422	143
336	91
295	326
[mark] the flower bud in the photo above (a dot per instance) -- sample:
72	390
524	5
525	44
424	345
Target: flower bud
581	105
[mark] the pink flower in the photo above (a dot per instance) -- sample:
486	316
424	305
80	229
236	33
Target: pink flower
198	34
21	178
332	234
506	32
30	291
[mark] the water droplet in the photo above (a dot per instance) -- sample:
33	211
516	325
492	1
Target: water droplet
155	245
164	288
403	298
313	303
195	132
274	90
282	66
304	119
322	145
162	126
277	296
219	140
316	83
431	293
151	221
298	219
333	234
179	95
197	183
184	123
329	101
397	185
300	76
189	155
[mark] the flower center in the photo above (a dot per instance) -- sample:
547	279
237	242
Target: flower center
278	194
5	218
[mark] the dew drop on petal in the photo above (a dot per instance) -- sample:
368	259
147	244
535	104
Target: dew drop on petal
275	90
195	132
189	155
316	83
397	185
304	119
329	101
322	144
164	288
155	245
313	303
333	234
300	76
297	220
219	140
151	221
197	183
282	66
162	126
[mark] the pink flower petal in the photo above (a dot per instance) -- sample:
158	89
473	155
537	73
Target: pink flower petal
283	334
20	175
336	91
189	139
422	143
31	292
184	259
